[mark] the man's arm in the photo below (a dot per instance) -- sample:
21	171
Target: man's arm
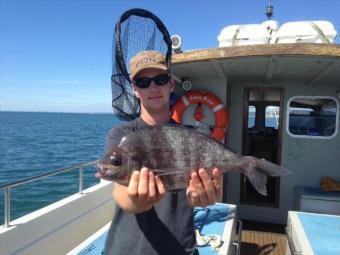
144	190
203	190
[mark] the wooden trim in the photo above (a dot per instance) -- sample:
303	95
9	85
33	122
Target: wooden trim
244	136
282	118
245	119
278	155
309	49
226	141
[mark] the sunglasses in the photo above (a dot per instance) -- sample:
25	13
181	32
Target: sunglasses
159	80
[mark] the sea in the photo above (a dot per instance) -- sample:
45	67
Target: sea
33	143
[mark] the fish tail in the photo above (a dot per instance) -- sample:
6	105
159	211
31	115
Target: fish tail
257	170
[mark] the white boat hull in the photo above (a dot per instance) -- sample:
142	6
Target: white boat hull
59	227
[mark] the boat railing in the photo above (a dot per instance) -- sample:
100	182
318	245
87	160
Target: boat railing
7	186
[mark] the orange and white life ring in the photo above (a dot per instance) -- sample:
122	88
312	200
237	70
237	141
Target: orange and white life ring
208	99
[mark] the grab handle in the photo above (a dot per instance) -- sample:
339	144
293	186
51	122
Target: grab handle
237	243
291	245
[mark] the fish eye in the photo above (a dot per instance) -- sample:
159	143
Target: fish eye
116	159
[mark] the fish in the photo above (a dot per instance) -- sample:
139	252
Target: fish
173	151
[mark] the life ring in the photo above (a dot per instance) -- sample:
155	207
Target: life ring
206	98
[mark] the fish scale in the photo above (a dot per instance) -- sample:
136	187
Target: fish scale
173	151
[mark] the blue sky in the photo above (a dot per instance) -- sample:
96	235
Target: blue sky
56	55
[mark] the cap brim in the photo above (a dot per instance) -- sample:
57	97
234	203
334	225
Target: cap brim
156	66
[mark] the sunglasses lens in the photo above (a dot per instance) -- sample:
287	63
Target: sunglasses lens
161	79
143	83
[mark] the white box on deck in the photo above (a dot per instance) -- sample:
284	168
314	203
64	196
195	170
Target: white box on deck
269	32
315	200
312	234
244	35
306	32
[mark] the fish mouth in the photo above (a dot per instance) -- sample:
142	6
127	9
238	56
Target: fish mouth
106	171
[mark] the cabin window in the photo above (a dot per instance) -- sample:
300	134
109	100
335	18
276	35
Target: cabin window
251	116
313	117
272	116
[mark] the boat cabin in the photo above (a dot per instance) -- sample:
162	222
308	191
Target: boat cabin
283	106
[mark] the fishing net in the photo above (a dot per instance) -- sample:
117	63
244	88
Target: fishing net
137	30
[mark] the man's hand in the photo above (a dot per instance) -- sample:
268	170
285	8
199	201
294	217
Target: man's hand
144	190
204	190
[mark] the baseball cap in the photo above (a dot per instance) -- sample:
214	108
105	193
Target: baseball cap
147	59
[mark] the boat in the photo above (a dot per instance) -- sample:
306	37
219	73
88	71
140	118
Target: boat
279	97
281	91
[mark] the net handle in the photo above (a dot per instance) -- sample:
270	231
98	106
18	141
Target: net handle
118	47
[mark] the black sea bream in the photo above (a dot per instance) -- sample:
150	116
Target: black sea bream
173	152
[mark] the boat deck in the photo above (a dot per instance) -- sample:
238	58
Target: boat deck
263	239
257	238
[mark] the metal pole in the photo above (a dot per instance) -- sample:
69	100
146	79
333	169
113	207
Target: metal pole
7	186
7	207
81	183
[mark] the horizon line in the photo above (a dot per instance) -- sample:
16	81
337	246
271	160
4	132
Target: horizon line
22	111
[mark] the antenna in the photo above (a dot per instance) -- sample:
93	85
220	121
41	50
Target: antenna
269	10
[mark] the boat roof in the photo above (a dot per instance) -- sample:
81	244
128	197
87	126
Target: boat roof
308	63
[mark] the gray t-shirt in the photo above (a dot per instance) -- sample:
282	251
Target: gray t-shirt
167	228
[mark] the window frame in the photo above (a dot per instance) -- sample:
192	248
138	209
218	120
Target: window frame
313	136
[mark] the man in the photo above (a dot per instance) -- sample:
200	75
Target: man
149	220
